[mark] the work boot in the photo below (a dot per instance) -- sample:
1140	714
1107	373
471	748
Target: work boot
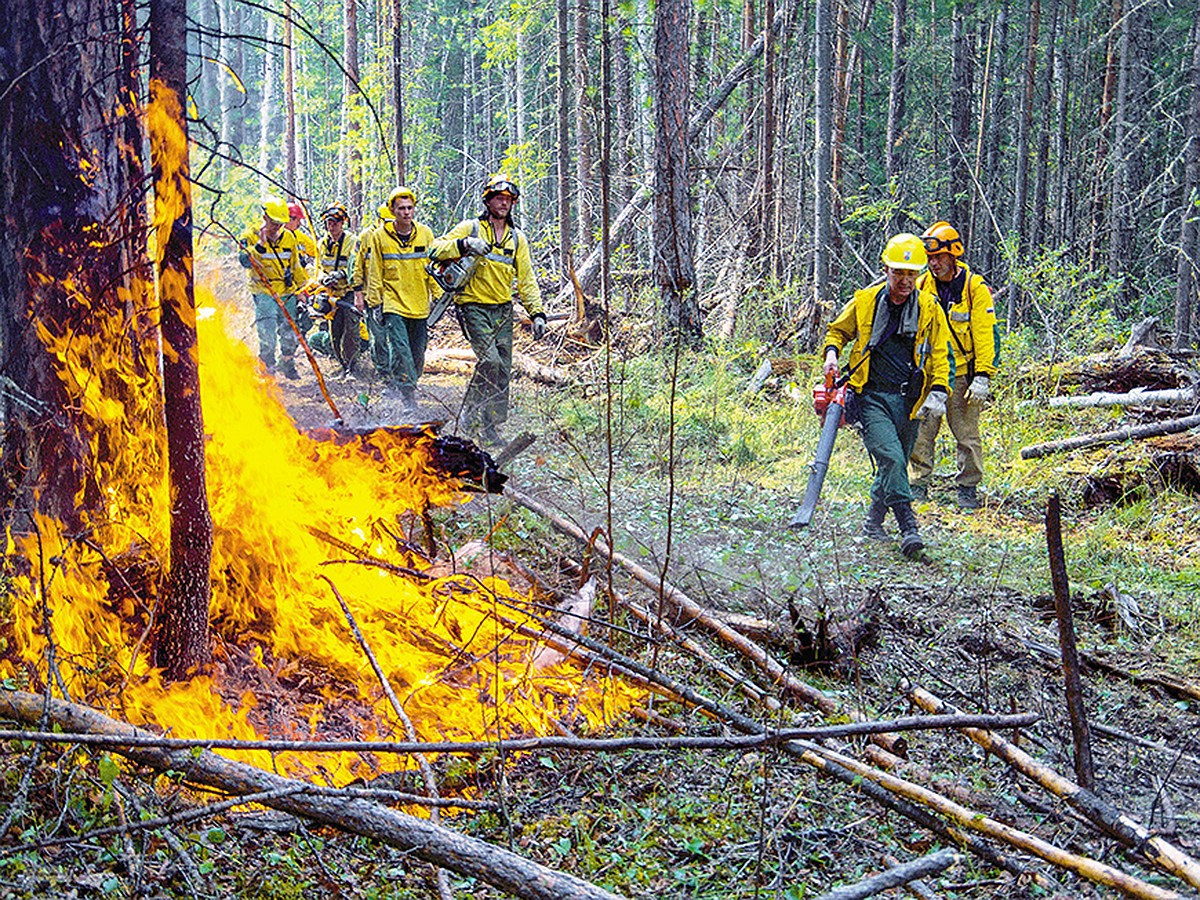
288	367
920	492
873	524
911	544
968	498
408	404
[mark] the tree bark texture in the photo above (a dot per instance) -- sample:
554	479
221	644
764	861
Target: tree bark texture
398	70
562	120
183	639
1187	280
419	837
351	102
674	268
289	102
963	93
583	126
823	292
67	237
893	154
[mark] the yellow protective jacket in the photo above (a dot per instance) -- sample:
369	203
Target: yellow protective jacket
396	276
506	261
339	255
931	351
974	332
274	267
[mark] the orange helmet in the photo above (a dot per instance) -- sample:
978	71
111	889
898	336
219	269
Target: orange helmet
942	237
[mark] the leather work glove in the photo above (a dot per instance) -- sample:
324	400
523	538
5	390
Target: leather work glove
474	245
539	326
979	388
831	362
933	407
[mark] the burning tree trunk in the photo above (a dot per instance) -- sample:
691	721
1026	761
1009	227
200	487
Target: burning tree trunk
183	641
72	268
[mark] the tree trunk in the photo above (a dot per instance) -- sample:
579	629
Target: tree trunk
398	86
626	140
183	640
1099	209
893	154
1120	231
963	93
562	17
266	108
1068	176
766	212
674	269
289	102
1016	312
993	134
583	127
352	103
823	167
68	237
1041	181
1187	298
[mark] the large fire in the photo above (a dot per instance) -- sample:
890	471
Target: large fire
287	663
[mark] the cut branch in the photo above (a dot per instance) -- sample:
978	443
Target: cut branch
1107	398
933	864
419	837
1097	810
690	611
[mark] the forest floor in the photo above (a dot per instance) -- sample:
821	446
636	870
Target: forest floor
707	484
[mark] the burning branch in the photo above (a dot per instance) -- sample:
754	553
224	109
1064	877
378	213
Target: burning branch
419	837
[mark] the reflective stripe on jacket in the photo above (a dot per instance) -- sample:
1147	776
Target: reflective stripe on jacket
931	353
506	261
396	276
279	261
334	258
975	334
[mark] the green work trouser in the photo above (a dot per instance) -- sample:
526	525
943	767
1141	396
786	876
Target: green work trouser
273	326
489	328
379	347
963	419
405	340
888	434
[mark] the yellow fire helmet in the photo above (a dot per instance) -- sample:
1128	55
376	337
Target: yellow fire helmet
401	191
501	184
275	209
385	213
905	251
942	237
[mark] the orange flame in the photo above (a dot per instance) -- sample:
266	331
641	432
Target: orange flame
288	666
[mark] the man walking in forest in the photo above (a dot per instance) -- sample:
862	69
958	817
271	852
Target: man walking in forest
484	304
899	368
339	332
401	290
273	260
975	345
373	317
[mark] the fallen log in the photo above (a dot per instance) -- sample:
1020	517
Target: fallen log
916	887
418	837
897	876
1136	397
461	359
1127	433
693	612
1097	810
1086	867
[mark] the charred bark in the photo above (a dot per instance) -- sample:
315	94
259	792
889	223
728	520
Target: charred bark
183	641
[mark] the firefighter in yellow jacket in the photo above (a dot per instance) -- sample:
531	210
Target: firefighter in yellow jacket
484	304
272	258
400	291
975	345
899	370
338	320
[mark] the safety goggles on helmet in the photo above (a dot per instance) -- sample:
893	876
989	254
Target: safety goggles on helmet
500	185
938	245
